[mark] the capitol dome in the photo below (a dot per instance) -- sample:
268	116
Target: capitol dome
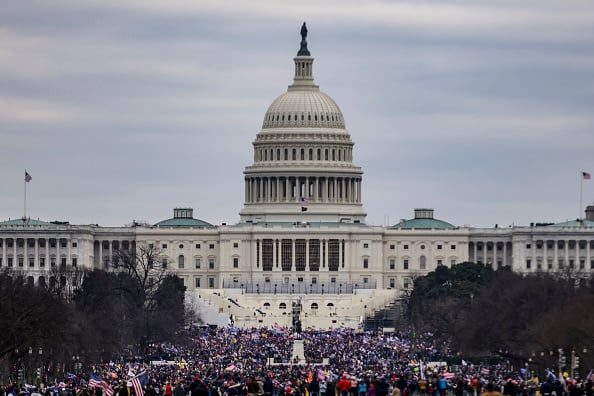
303	108
303	157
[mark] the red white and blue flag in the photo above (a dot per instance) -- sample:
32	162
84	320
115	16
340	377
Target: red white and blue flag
586	175
27	177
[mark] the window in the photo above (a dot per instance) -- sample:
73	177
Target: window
164	263
74	244
405	247
453	247
74	262
365	262
453	262
211	263
392	264
52	244
528	246
164	246
63	262
422	262
235	262
235	245
211	283
52	262
392	283
197	283
20	261
63	244
151	245
42	262
197	262
392	247
528	263
365	246
422	247
31	262
211	246
405	264
439	262
365	280
197	246
10	262
406	284
181	261
438	247
181	245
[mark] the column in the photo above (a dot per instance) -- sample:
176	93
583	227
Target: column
4	260
25	251
556	255
307	255
474	252
346	255
545	260
588	265
68	249
47	260
566	253
494	253
343	189
340	253
58	258
293	255
110	258
287	189
316	189
14	252
274	263
269	190
504	253
280	252
325	189
36	258
335	190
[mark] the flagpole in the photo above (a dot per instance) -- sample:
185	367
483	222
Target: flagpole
25	198
581	189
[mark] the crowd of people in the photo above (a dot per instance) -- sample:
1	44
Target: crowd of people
260	362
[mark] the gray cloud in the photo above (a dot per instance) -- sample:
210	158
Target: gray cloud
123	110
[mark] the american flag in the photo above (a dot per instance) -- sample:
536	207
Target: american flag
586	175
27	177
138	391
96	382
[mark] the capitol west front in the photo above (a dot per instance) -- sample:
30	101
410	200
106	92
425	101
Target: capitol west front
302	234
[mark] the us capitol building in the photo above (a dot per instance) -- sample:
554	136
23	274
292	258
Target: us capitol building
302	247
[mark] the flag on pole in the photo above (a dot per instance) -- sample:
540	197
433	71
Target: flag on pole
96	382
586	175
138	382
27	177
303	204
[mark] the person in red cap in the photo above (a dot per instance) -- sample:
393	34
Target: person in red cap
344	385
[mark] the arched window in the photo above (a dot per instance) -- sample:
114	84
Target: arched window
422	262
180	261
314	306
282	306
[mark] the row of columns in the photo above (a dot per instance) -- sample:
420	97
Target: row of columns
303	154
484	252
556	258
292	189
567	253
110	248
277	253
36	254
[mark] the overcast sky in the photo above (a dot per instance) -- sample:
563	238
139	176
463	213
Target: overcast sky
123	110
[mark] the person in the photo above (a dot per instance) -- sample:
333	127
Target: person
314	386
268	386
123	390
491	390
344	385
179	389
253	388
197	388
168	389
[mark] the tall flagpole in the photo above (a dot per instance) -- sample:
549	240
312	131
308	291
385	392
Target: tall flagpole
581	188
25	198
